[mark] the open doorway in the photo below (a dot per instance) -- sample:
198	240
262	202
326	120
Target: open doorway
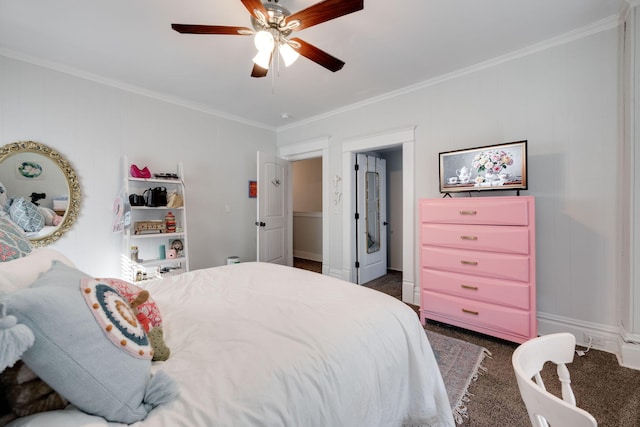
306	195
309	150
404	140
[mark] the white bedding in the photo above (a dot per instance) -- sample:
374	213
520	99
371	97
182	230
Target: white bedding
256	344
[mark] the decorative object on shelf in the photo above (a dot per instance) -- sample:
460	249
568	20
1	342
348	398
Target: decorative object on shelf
492	167
162	252
170	223
136	172
155	197
178	246
133	253
172	254
136	200
152	226
174	200
166	175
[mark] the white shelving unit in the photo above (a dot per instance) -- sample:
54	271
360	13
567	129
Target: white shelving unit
151	264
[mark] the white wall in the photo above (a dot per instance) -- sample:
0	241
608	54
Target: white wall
307	185
563	99
307	235
94	125
306	181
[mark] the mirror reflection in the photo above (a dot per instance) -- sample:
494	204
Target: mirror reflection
373	211
39	191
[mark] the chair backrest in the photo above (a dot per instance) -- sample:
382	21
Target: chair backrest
543	407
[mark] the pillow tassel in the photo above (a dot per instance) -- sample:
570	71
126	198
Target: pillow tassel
161	389
15	339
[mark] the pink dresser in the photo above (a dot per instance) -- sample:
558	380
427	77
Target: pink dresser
478	264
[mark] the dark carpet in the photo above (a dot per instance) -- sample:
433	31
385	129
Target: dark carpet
602	387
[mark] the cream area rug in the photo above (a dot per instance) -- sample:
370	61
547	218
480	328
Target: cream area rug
460	363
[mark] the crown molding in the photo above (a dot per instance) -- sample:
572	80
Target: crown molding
128	87
594	28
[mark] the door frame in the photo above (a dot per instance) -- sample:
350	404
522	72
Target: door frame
318	147
404	138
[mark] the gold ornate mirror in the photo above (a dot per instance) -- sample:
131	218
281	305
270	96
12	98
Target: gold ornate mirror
40	175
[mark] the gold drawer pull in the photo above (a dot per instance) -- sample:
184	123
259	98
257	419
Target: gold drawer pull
468	262
469	237
468	212
473	288
475	313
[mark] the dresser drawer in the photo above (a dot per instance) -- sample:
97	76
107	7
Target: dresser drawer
488	264
506	239
496	317
476	210
514	294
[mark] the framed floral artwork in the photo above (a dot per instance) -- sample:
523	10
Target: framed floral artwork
492	167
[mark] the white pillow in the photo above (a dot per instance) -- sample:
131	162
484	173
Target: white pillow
22	272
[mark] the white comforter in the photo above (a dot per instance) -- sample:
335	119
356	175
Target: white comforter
257	344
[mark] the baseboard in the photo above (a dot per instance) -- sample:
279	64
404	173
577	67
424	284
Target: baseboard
629	347
408	293
307	255
333	272
608	338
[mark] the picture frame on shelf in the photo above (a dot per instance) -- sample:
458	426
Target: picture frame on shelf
176	245
486	168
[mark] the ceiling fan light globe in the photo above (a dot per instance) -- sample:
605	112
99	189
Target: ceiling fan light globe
264	41
262	59
288	54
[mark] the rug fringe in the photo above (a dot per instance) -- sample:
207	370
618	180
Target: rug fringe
460	412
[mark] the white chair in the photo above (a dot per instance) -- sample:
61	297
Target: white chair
543	407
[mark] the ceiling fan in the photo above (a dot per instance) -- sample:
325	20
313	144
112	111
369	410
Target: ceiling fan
273	24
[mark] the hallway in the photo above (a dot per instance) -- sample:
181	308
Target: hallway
390	283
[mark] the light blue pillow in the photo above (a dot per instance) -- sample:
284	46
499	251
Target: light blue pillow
26	214
87	346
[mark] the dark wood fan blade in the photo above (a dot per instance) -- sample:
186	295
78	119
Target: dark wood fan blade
325	11
254	4
318	56
258	71
210	29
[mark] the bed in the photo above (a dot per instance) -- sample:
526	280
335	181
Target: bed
257	344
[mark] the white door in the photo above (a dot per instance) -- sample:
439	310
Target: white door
371	214
274	216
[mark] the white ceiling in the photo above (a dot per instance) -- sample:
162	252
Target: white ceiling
387	46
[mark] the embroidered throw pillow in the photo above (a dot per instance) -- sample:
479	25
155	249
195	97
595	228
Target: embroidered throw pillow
148	315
